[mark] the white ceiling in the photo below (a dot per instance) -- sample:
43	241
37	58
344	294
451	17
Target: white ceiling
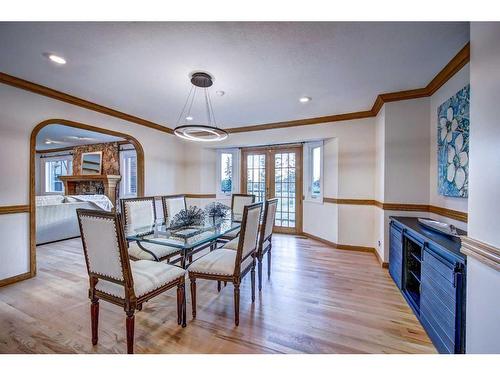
65	136
142	68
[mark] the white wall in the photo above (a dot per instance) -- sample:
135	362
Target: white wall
20	112
483	289
379	217
406	164
348	169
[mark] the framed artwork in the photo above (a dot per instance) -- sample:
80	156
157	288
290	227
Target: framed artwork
453	145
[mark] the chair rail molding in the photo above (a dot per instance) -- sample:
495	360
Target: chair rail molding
483	252
442	211
15	209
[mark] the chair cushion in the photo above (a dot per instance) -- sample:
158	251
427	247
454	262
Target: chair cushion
231	234
218	262
159	250
148	276
233	244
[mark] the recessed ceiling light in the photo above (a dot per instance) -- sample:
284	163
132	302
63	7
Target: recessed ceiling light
57	59
189	118
305	99
220	93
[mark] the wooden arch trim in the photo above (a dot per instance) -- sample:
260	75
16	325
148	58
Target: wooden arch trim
32	204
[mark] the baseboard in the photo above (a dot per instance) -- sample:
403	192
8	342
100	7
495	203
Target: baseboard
364	249
62	239
15	279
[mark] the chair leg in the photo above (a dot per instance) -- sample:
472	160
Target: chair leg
259	271
225	283
130	331
252	274
218	285
94	317
193	296
237	304
180	302
269	263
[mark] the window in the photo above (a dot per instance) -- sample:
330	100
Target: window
227	172
128	171
313	163
53	168
316	172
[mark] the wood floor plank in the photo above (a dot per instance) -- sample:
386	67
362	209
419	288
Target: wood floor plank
318	300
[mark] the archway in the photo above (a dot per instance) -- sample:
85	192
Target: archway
34	133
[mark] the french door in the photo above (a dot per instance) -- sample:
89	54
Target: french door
276	172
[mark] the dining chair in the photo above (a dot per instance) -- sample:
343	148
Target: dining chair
172	205
238	203
113	278
264	243
228	265
139	215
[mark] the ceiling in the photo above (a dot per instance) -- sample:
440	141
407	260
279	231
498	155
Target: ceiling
142	68
67	136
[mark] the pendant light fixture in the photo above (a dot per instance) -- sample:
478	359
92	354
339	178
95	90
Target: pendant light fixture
201	81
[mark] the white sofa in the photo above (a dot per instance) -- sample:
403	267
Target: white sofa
56	217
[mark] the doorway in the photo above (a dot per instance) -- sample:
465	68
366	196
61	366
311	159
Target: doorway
33	144
276	172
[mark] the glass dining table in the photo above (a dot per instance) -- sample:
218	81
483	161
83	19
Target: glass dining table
188	239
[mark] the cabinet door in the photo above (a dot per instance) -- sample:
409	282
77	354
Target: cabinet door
438	304
396	253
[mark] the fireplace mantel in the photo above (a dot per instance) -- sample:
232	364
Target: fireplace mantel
109	182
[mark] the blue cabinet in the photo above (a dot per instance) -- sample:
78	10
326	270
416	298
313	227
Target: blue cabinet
429	270
396	253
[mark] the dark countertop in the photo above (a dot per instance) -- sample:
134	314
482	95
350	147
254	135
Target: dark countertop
449	243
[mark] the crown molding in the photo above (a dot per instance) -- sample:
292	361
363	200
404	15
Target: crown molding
483	252
67	98
455	64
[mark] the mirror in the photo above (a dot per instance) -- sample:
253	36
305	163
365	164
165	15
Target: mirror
92	162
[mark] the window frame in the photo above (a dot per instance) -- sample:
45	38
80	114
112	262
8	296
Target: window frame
44	176
309	147
235	172
124	193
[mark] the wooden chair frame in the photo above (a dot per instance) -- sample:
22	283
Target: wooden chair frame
261	250
164	199
238	272
123	206
130	303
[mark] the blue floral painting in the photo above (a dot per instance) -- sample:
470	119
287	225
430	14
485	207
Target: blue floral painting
453	145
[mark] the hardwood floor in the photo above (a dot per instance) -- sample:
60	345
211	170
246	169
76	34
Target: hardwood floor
319	300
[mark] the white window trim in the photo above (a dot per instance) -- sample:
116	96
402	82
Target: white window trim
235	185
123	155
43	181
308	160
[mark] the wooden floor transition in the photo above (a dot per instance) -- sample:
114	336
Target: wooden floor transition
319	300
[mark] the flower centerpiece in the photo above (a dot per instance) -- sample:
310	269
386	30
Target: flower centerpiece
193	216
217	210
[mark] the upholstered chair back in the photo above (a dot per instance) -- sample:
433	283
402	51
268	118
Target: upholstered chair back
249	232
269	216
103	245
139	214
238	203
172	205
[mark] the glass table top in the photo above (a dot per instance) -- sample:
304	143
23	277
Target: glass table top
186	237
